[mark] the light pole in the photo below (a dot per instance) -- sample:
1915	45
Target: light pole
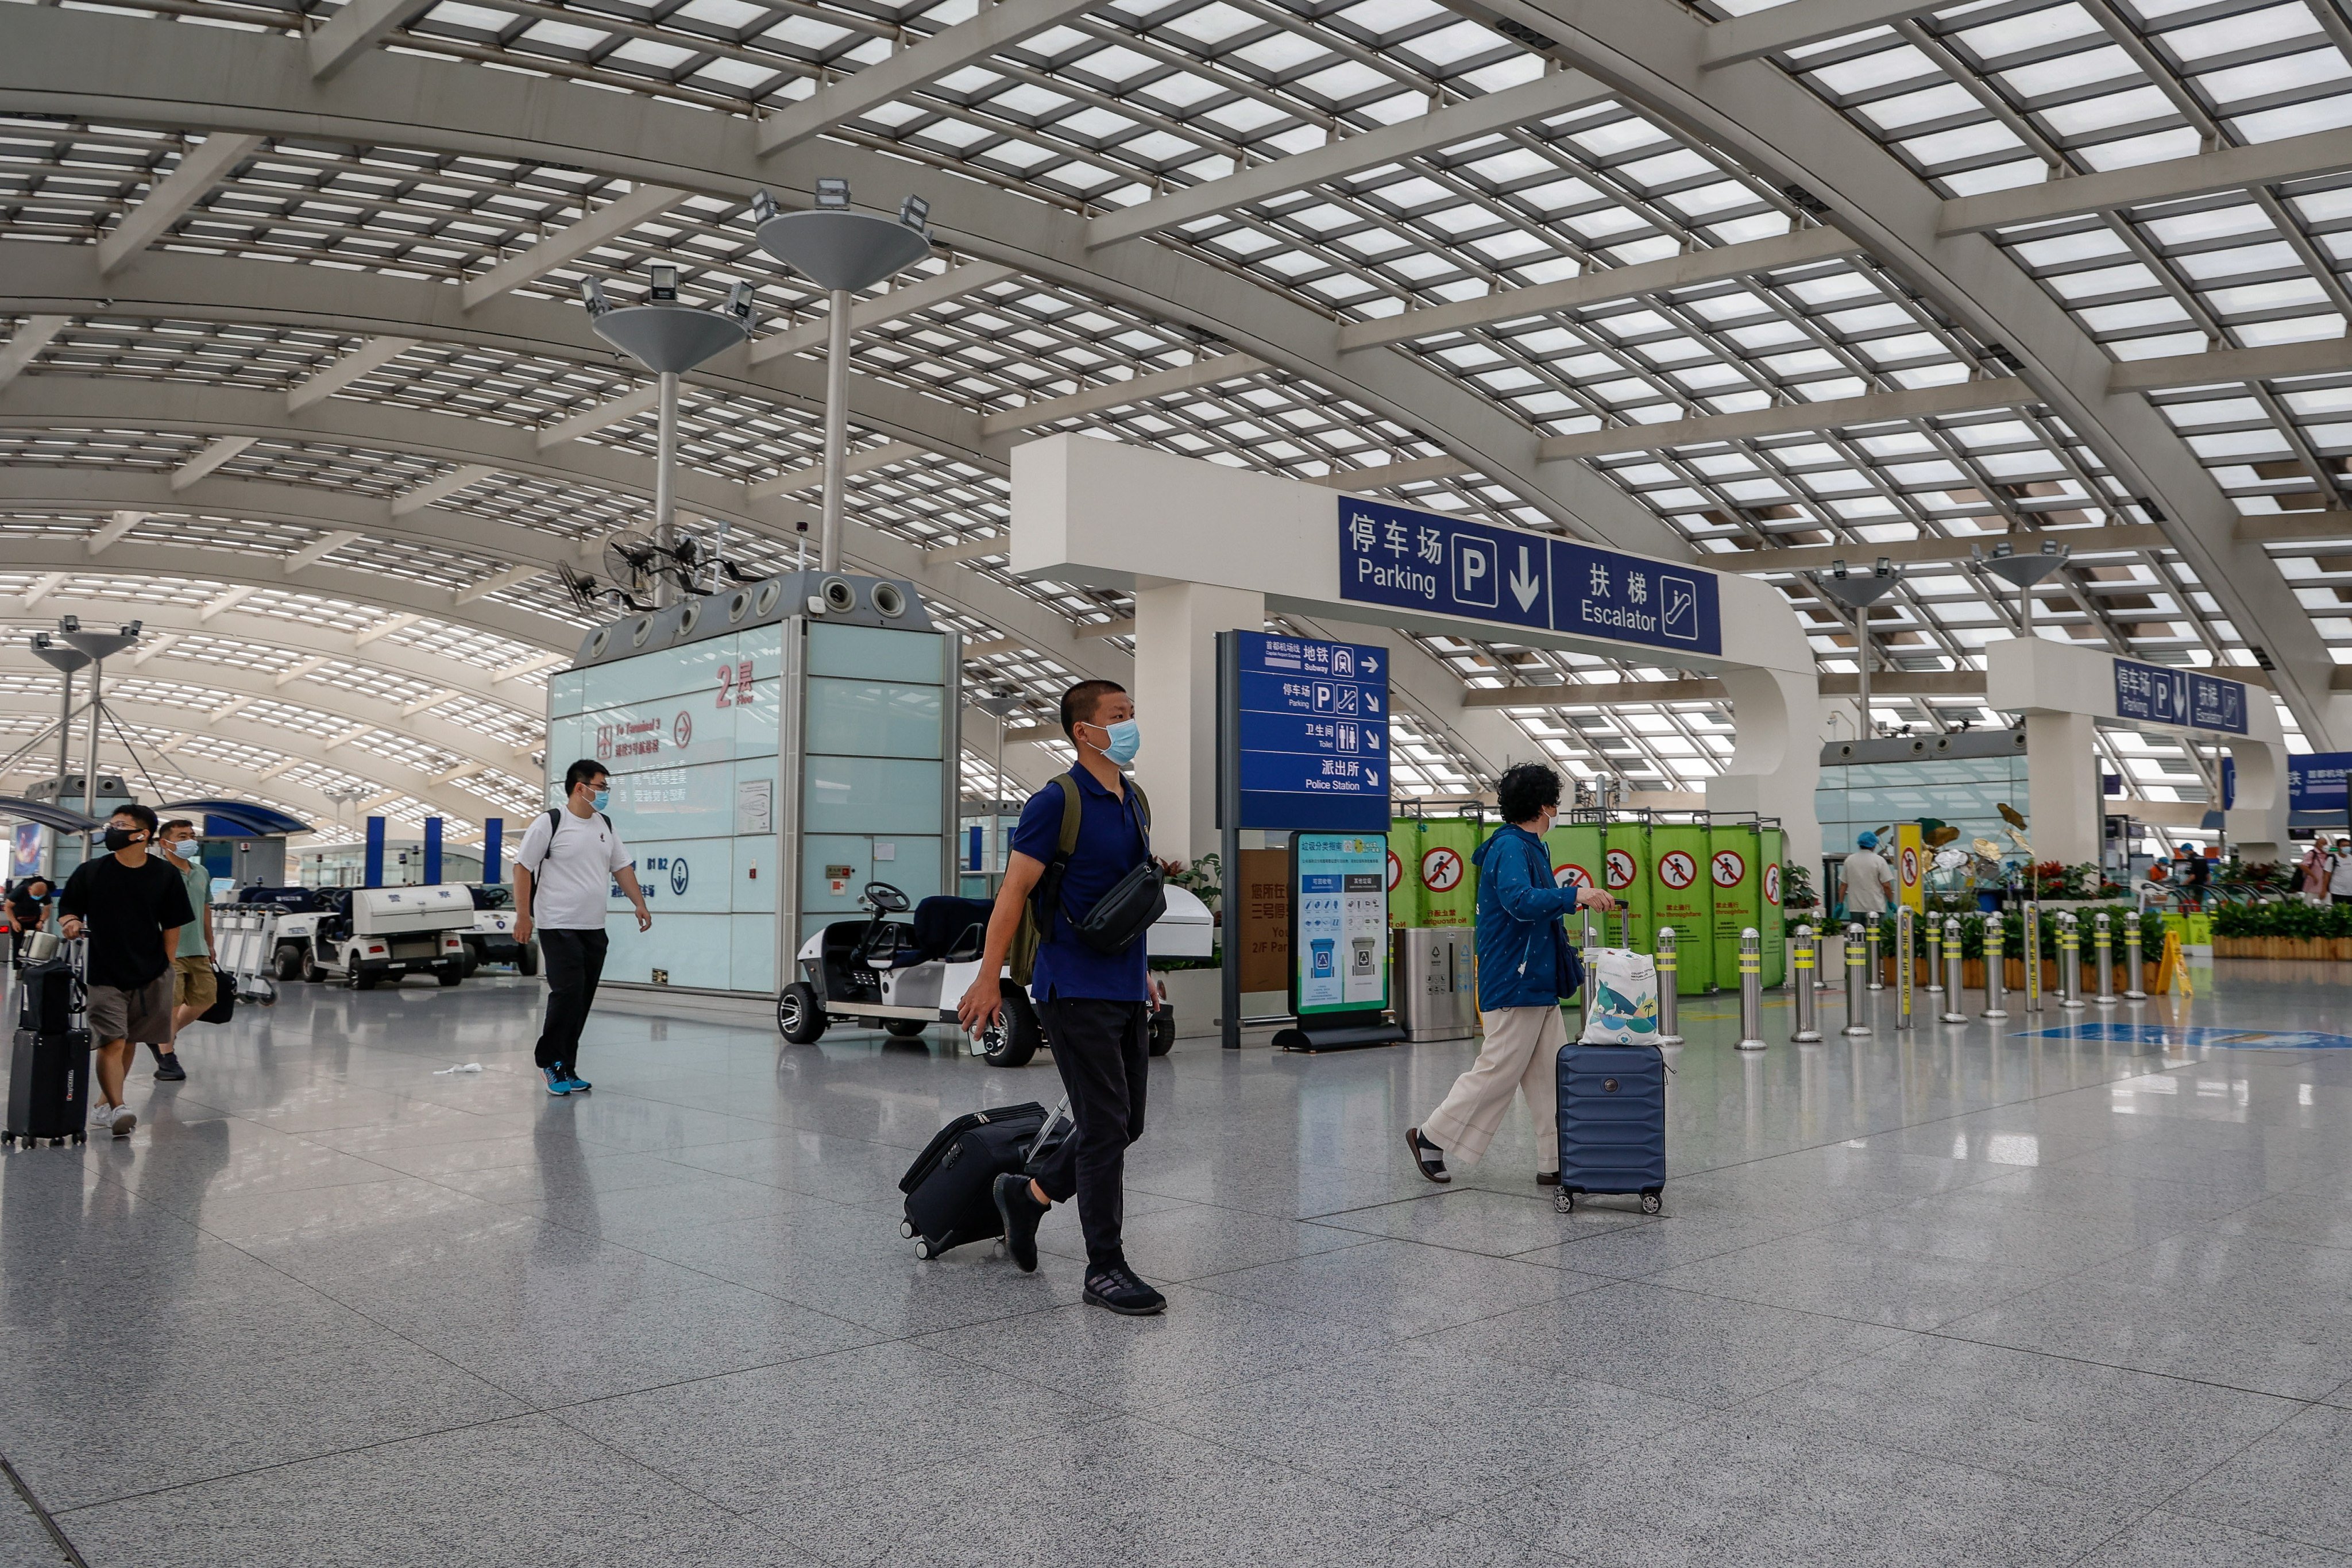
2021	571
1857	593
667	338
841	251
100	646
64	661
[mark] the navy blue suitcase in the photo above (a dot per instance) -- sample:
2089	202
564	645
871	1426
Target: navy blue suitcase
1613	1122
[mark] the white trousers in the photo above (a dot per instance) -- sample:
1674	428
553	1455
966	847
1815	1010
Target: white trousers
1522	1053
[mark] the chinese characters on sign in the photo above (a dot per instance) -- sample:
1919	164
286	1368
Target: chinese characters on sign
1420	561
1313	734
2156	695
1340	962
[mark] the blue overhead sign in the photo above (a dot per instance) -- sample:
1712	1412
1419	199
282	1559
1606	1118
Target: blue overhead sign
2316	782
1313	731
1420	561
2191	699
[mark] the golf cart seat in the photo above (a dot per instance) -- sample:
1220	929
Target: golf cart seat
950	929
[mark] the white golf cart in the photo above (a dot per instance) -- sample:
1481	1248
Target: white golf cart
907	975
361	936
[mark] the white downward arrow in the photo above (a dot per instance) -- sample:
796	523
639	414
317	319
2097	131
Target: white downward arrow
1524	585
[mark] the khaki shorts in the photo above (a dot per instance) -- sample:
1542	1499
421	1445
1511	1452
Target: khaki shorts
143	1014
192	981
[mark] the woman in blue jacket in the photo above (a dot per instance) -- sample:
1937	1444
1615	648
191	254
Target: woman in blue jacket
1525	967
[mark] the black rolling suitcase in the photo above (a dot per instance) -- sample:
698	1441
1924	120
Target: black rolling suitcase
49	1069
951	1186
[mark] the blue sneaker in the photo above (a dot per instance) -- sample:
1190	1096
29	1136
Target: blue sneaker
559	1082
575	1083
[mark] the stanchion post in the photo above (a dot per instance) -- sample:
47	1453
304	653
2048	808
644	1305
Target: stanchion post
1952	1014
2033	958
1804	957
1996	966
2133	959
1669	999
1876	959
1751	989
1935	958
1822	980
1904	991
1857	1002
2103	939
2070	963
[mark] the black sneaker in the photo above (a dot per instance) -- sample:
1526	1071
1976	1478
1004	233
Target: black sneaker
168	1068
1020	1211
1118	1289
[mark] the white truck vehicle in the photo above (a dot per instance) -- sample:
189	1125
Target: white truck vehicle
360	936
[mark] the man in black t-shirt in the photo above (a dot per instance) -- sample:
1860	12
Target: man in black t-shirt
132	905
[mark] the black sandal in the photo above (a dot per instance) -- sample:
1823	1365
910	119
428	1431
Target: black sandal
1427	1157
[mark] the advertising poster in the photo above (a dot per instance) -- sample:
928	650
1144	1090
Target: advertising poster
25	850
1340	955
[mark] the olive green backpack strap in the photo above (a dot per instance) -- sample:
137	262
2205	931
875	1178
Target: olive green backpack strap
1030	933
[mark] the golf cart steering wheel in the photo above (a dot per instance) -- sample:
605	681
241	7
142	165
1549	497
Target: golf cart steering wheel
886	899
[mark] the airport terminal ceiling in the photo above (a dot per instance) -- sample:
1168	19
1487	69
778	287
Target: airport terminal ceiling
296	374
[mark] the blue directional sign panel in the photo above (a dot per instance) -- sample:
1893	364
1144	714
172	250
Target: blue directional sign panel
1313	734
2156	695
2316	782
1420	560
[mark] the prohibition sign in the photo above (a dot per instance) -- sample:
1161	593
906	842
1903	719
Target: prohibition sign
1440	871
1396	870
1727	867
1771	884
1910	867
1619	868
1677	869
1571	875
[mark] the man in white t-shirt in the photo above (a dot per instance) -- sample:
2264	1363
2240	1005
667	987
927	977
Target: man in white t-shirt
564	874
2339	873
1867	878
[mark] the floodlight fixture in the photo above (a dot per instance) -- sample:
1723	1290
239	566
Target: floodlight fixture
916	213
2022	571
662	288
833	192
64	660
99	645
1857	592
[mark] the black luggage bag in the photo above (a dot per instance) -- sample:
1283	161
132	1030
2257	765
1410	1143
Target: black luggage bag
48	1071
951	1186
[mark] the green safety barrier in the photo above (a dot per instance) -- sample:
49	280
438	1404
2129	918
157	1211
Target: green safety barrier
1575	849
1626	873
1774	852
1736	881
1683	898
1404	878
1448	881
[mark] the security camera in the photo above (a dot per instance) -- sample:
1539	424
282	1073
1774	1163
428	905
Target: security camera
592	294
739	302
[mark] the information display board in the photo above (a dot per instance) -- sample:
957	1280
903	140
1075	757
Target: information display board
2157	694
1313	734
2316	782
1411	559
1339	923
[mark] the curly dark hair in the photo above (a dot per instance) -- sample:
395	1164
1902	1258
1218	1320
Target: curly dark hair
1525	790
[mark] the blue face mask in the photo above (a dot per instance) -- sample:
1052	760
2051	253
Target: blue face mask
1124	741
603	798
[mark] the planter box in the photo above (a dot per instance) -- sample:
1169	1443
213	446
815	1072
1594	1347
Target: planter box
1973	975
2306	947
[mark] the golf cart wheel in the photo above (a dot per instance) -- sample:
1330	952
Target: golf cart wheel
905	1028
289	961
1163	1030
311	971
1014	1038
800	1016
364	980
527	960
473	961
450	973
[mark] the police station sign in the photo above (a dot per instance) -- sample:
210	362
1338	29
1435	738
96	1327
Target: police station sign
2156	695
1411	559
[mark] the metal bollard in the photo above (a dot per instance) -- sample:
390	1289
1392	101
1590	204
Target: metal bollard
1935	959
2103	937
1995	968
2033	958
1669	999
2132	961
1854	1000
2070	963
1952	1014
1904	991
1875	958
1804	957
1751	989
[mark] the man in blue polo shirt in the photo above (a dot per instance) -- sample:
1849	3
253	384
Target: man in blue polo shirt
1095	1007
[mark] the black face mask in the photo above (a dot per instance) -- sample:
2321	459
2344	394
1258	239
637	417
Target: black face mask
118	839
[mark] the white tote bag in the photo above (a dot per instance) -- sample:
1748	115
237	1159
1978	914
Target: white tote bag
1625	1009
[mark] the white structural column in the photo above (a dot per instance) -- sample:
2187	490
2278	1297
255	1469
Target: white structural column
1176	628
1205	547
2063	691
1776	761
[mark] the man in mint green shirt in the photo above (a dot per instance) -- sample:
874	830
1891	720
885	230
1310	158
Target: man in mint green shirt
192	988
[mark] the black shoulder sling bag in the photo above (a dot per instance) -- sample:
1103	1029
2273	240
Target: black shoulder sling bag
1122	915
